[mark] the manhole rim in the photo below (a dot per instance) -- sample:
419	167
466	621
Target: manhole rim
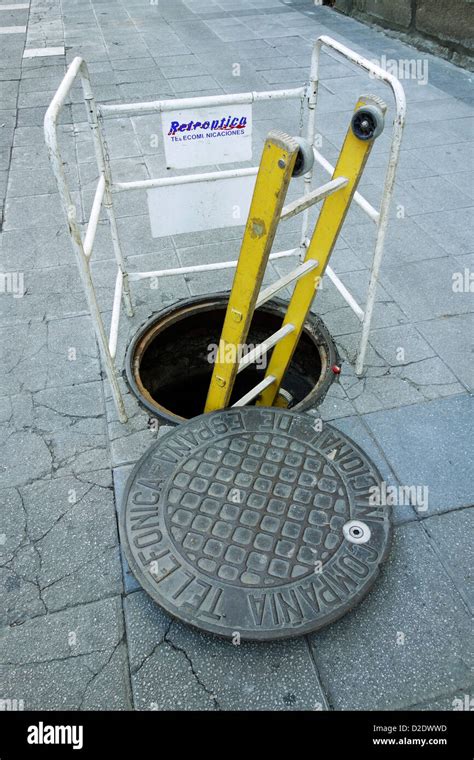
246	635
314	329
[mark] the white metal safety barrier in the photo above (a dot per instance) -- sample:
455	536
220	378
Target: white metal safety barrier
106	188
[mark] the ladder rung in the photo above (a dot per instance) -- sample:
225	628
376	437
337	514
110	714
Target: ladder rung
295	274
300	204
265	346
255	391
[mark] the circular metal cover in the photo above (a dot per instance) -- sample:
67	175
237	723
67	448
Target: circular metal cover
235	522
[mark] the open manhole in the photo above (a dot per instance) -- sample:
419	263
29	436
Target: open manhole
249	521
168	363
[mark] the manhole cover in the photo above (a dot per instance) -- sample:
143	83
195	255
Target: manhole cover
250	521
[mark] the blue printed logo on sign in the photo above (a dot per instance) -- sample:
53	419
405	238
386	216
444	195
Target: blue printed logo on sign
197	141
229	124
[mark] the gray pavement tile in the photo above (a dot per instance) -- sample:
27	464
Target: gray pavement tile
63	352
409	167
193	84
13	526
448	335
120	476
69	660
28	456
428	445
432	111
54	432
53	292
384	388
10	73
340	318
335	406
424	136
450	229
37	211
35	248
134	75
405	242
133	62
177	668
401	368
451	535
30	117
449	158
61	530
406	643
130	440
173	70
428	194
400	345
425	289
37	180
137	91
36	98
463	180
4	159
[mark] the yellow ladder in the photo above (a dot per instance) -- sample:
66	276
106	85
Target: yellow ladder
266	210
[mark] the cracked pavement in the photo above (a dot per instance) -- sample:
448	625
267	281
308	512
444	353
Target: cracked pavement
76	630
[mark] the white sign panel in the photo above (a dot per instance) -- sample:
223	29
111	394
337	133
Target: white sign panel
207	136
199	206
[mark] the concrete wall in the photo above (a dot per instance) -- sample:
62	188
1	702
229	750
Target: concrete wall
445	27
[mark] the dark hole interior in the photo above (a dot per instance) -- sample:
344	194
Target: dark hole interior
176	371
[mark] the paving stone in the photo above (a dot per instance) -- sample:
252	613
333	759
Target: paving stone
428	194
68	660
437	297
405	242
47	293
43	211
54	431
175	667
428	445
120	475
451	535
400	345
464	180
71	522
40	355
362	661
425	135
25	456
446	335
449	158
13	526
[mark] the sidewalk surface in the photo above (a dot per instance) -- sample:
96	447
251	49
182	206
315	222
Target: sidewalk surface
76	630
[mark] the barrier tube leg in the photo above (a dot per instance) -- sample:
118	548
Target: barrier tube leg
274	174
368	115
104	167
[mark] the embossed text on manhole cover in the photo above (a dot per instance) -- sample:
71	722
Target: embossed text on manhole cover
250	521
